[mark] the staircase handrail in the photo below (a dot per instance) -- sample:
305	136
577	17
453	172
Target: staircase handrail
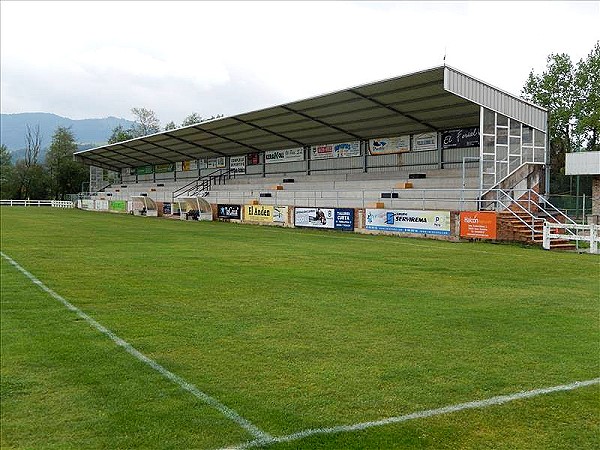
205	180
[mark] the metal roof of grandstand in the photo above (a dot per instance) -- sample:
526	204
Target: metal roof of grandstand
431	100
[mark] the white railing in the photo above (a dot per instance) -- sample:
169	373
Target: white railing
589	233
51	203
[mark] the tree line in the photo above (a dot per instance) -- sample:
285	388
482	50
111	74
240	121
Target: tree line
58	175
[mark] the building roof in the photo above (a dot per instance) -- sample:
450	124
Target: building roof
436	99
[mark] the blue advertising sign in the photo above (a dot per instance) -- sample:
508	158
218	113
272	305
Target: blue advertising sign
344	219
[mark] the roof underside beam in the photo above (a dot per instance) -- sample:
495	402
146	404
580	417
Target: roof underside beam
220	136
395	110
167	148
266	130
195	144
146	153
319	121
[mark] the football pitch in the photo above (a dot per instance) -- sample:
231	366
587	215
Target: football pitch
133	332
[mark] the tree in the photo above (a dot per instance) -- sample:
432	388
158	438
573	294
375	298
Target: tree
28	178
570	93
192	119
65	174
170	126
587	108
120	134
6	171
146	122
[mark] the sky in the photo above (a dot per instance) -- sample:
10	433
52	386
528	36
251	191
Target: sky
97	59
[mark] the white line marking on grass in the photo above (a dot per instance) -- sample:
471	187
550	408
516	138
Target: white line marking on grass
211	401
499	400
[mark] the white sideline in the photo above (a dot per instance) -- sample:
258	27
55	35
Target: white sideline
499	400
211	401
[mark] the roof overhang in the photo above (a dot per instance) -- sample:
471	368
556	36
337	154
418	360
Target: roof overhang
430	100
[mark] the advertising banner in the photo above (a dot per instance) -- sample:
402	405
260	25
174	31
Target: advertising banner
424	141
87	204
280	214
338	218
216	163
265	213
462	137
344	219
346	149
258	213
321	151
288	155
166	209
118	205
237	164
164	168
253	159
478	224
101	205
202	164
314	217
186	166
229	211
385	146
144	170
406	221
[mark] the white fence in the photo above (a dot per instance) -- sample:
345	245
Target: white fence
589	233
51	203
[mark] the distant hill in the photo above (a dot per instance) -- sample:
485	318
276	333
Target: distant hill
88	132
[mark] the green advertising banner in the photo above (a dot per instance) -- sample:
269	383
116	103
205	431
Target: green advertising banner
118	205
163	168
144	170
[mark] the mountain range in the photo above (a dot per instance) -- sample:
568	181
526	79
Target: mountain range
88	133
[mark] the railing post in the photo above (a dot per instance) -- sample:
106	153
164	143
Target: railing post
593	238
546	240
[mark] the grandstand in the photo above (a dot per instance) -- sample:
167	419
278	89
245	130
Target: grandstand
436	140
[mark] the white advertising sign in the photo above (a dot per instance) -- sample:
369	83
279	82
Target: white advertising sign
346	149
385	146
216	163
101	205
314	217
425	141
237	164
288	155
406	221
321	151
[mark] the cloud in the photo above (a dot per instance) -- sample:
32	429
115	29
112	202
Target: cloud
94	59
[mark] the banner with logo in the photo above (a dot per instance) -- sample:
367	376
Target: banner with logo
253	159
340	150
265	213
478	224
216	163
346	149
164	168
87	204
288	155
385	146
237	164
461	137
229	211
118	205
424	141
186	166
101	205
321	151
144	170
338	218
407	221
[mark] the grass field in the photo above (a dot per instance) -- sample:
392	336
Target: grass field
288	330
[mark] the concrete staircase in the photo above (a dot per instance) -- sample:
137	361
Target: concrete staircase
522	227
